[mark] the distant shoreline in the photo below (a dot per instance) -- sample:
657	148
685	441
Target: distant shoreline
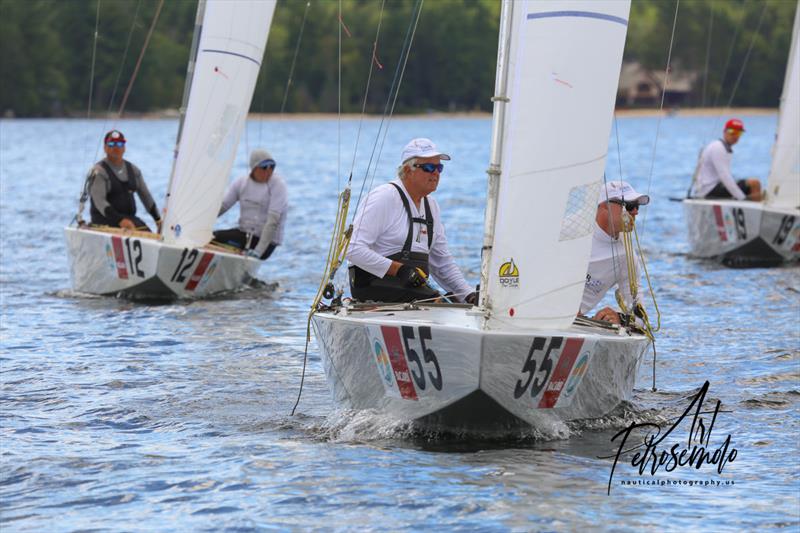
435	115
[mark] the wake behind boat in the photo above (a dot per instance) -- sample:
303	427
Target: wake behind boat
227	48
765	233
520	358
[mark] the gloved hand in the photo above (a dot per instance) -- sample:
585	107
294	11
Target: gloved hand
412	277
472	298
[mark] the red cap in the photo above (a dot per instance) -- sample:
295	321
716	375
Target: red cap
734	124
114	135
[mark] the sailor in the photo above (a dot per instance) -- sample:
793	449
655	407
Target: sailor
111	184
618	205
713	176
263	204
398	238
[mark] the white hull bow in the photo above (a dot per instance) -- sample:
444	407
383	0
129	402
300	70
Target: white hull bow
140	266
437	367
743	234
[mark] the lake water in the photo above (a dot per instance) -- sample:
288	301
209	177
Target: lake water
123	416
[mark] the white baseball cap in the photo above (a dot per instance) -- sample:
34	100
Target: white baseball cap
421	147
622	190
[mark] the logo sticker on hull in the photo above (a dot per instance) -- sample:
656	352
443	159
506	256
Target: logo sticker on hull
561	373
397	359
197	275
119	258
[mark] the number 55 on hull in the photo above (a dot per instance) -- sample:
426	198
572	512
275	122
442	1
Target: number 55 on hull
438	368
139	265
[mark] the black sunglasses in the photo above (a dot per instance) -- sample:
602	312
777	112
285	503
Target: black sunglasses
430	167
630	207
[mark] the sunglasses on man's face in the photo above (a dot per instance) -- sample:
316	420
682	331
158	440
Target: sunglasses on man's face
430	168
116	144
630	207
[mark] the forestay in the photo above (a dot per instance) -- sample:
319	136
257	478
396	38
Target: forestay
564	65
229	54
784	175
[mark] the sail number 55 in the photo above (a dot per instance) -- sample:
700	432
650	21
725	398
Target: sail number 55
535	375
431	364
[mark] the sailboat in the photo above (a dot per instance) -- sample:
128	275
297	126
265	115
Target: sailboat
766	233
180	262
521	357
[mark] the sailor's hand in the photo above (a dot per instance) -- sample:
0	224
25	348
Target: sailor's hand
472	298
412	277
127	223
607	314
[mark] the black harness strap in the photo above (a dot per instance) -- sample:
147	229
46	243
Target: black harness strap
130	184
428	220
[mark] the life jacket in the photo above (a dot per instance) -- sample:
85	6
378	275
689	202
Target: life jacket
367	286
120	197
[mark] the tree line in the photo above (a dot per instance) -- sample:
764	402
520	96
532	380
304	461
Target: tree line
47	49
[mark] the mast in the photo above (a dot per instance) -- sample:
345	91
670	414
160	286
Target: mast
187	88
500	100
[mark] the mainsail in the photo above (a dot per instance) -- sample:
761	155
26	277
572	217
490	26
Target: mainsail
231	46
564	63
784	175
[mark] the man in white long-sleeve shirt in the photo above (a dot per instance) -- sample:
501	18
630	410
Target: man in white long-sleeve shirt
398	238
714	179
263	203
617	208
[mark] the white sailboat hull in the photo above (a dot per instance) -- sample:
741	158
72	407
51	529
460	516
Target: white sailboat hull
743	234
437	367
139	266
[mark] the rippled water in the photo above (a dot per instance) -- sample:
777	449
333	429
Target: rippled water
126	416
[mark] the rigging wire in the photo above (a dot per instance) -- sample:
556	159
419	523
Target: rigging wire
139	61
394	88
85	191
661	106
340	239
119	76
708	50
746	57
294	58
366	94
715	119
396	85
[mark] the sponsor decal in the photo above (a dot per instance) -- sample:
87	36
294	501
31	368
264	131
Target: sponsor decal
723	234
577	375
119	258
199	271
397	359
559	378
384	366
112	265
509	274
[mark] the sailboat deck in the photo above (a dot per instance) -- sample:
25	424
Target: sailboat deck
459	317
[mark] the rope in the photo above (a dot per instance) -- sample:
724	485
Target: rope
661	106
141	56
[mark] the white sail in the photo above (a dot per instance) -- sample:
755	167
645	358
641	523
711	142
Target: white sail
784	175
564	65
229	55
